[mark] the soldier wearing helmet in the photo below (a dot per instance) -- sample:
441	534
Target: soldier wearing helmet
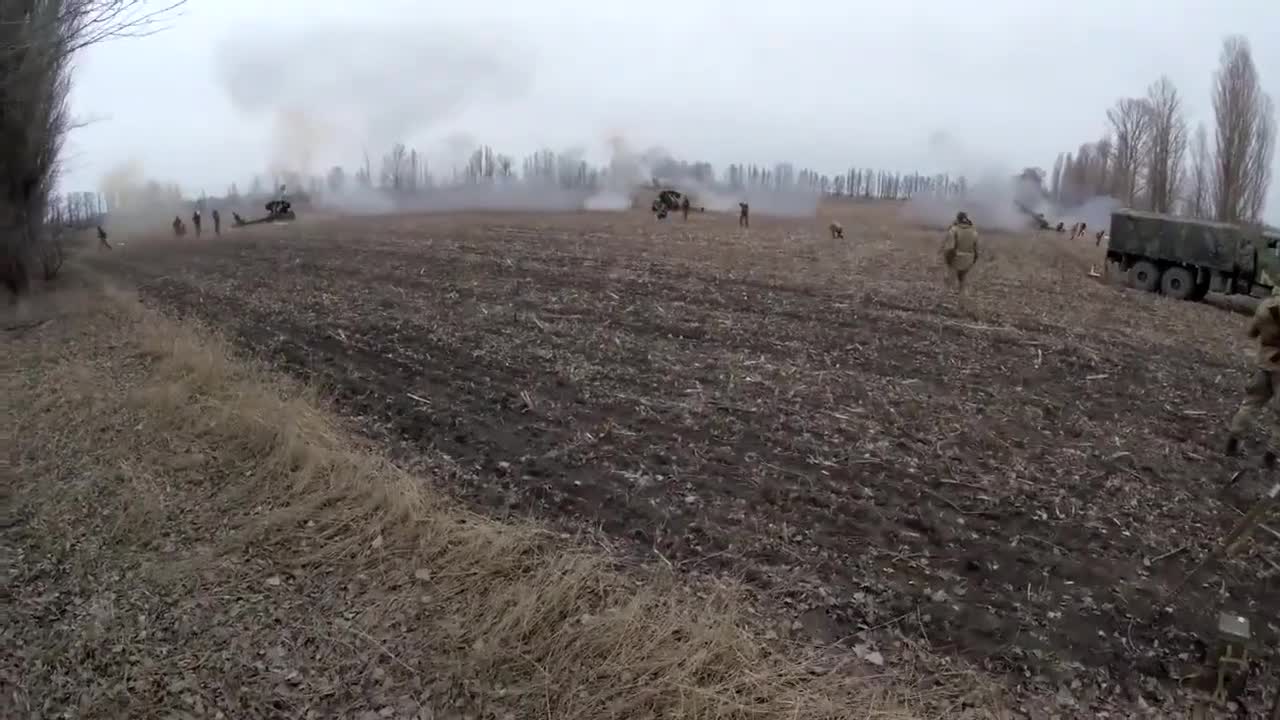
960	249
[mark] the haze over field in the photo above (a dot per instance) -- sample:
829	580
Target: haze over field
823	85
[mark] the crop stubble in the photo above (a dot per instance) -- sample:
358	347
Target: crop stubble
819	417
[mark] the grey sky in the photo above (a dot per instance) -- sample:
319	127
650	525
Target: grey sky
823	84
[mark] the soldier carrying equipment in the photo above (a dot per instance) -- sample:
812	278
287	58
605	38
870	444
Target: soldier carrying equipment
837	230
744	215
960	248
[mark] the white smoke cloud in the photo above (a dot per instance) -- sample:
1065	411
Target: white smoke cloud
996	192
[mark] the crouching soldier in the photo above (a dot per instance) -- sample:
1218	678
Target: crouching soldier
960	249
1264	328
837	231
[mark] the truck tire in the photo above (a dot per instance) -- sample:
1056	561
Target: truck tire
1144	275
1178	283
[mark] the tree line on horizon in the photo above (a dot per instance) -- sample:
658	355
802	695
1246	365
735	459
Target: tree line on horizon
1149	159
405	172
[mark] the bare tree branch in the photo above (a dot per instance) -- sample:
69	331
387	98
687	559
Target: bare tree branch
1167	145
1130	121
38	38
1235	108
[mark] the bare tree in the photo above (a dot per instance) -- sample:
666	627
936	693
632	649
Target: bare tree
1236	105
1258	172
1167	145
395	168
1199	200
37	41
1130	121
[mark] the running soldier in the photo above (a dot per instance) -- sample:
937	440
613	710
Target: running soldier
960	249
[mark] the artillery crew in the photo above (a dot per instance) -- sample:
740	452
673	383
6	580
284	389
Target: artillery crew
960	249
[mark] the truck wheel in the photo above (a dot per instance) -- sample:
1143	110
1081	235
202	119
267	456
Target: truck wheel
1178	283
1144	275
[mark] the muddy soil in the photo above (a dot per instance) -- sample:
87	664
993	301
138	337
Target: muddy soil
1019	478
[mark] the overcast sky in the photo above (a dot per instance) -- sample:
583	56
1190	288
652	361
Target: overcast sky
219	96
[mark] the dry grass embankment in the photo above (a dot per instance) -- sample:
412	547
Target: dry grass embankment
186	535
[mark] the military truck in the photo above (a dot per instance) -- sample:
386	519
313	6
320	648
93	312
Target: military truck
1186	259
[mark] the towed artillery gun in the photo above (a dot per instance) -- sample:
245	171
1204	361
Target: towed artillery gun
1038	220
669	201
1185	258
278	210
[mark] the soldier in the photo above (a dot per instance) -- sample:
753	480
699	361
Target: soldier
1060	227
1080	232
217	223
195	220
744	212
1265	328
960	248
102	238
1102	234
684	207
178	230
837	230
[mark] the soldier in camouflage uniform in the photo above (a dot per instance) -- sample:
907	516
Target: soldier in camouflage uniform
1265	328
960	248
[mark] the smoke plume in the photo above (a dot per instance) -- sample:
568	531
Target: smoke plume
998	196
331	90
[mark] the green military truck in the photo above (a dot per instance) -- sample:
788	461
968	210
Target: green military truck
1187	259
